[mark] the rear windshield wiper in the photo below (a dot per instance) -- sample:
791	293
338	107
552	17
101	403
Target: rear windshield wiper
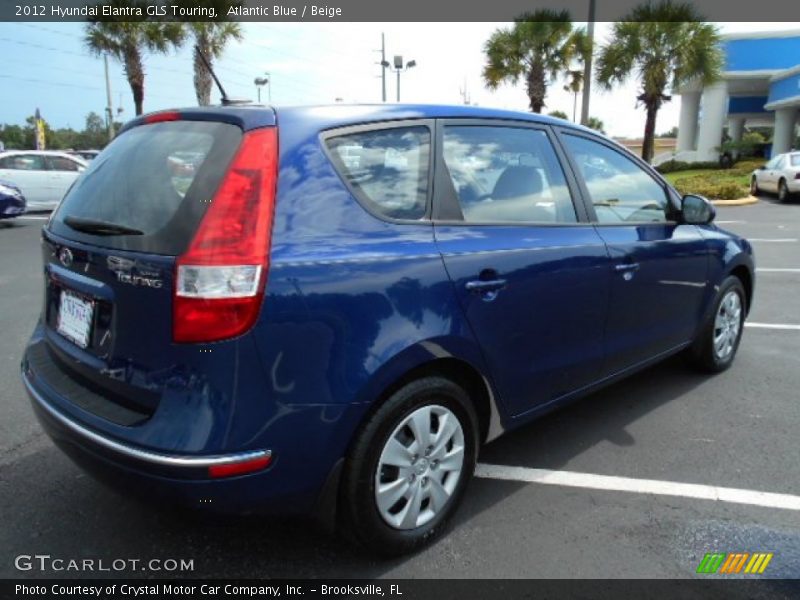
96	227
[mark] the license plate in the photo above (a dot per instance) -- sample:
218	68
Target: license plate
75	318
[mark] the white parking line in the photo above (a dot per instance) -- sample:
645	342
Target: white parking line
771	270
33	218
773	326
638	486
729	222
774	240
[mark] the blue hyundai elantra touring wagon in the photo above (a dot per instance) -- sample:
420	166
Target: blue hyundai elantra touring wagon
329	309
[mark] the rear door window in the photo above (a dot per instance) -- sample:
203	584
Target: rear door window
506	174
388	169
158	179
23	162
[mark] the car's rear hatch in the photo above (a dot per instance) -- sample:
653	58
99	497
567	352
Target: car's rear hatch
112	253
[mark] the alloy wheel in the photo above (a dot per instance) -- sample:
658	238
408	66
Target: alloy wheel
727	324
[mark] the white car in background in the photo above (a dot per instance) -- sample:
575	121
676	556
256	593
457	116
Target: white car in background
43	176
780	175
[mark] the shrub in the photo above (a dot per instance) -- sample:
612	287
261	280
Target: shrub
678	165
710	189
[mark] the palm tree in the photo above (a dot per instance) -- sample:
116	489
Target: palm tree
539	47
667	45
574	86
210	38
127	41
596	124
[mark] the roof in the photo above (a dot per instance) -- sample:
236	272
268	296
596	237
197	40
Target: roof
250	116
337	115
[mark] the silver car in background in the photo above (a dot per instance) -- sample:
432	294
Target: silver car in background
43	176
781	175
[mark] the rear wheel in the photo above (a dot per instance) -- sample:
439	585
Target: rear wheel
409	467
716	345
783	191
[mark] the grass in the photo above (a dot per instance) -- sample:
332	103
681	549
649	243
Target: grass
716	184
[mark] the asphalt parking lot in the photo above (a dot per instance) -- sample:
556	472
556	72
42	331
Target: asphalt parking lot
735	430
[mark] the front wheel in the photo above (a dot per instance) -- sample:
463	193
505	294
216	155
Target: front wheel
715	346
783	191
754	186
409	467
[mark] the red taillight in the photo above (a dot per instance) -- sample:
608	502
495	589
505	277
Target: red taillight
159	117
219	282
240	468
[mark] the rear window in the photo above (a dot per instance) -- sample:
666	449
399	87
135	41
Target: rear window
157	179
388	169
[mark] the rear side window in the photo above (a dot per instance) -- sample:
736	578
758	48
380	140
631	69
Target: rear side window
158	179
388	169
796	160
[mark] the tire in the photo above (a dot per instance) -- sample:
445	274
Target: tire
393	529
783	191
715	347
754	191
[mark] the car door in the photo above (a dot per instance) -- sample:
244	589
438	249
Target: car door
61	173
531	274
658	266
26	172
769	177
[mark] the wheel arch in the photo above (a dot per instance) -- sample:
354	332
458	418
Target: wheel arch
429	358
744	275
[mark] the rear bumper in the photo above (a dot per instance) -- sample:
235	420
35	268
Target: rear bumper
173	478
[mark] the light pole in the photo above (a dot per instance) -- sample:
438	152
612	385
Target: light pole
587	66
399	68
262	81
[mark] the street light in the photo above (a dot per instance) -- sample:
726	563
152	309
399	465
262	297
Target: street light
399	68
262	81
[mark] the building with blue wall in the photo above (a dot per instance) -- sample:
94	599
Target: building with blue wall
760	86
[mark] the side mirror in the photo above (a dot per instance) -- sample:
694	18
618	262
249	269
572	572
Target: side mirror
697	210
762	168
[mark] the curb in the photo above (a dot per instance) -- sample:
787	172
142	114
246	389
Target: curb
740	202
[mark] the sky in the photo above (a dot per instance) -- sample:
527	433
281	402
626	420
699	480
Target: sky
47	66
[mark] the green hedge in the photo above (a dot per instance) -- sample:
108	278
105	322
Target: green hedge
678	165
716	191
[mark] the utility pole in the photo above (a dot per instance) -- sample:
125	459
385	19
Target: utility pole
384	64
587	66
109	109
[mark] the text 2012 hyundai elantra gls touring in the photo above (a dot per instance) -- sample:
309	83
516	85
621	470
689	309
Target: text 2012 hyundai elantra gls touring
299	309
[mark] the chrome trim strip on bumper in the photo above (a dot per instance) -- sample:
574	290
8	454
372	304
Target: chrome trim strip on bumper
166	460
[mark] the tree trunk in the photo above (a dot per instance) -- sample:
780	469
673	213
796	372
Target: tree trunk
649	131
202	78
537	87
135	73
